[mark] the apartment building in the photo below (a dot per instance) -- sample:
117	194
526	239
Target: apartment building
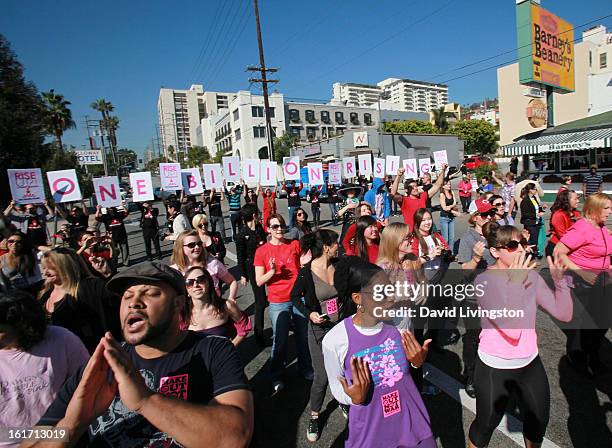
360	95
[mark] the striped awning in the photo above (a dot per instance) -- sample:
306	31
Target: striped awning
567	141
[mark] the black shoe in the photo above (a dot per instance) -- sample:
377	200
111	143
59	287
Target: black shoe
470	389
596	366
577	360
260	340
312	433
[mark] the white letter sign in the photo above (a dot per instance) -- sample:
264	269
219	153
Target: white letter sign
107	191
315	174
440	157
268	173
392	165
291	168
410	169
348	167
212	175
424	166
192	181
142	187
360	139
26	185
379	167
64	186
250	171
335	175
170	174
365	164
231	169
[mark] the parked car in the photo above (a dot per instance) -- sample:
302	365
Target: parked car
473	162
162	195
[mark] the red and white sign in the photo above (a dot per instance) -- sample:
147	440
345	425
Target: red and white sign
170	174
267	173
231	169
64	186
315	174
360	139
440	158
379	167
348	167
212	175
335	173
192	181
250	171
107	191
393	164
424	166
410	169
291	168
142	187
365	164
26	185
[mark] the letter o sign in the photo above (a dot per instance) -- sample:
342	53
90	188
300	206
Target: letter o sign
63	189
292	170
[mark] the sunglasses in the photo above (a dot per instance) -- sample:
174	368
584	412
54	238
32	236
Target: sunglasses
513	245
499	204
202	226
276	226
14	241
299	214
193	244
201	280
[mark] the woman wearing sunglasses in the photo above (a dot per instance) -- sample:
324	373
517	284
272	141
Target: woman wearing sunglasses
508	364
367	362
213	242
210	314
189	251
301	226
501	216
18	267
276	266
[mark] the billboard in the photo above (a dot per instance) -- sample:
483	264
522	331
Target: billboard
545	48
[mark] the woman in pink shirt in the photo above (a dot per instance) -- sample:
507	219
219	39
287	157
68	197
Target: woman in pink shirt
508	359
585	249
465	192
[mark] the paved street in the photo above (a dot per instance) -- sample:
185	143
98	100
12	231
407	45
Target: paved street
581	408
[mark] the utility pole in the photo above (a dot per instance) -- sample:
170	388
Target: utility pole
91	141
264	82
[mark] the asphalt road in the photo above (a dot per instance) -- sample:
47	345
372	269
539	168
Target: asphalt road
581	408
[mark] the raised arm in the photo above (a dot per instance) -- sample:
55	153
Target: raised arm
439	181
9	209
496	179
396	181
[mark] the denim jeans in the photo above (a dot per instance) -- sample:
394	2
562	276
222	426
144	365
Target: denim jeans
283	315
333	208
447	229
291	210
217	221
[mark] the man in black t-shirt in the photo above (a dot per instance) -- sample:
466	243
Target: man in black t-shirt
215	214
150	228
293	200
113	223
163	387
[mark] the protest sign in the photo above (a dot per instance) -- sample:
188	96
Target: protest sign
192	181
315	174
335	173
251	170
410	169
393	164
379	167
64	186
142	187
212	175
424	166
107	191
291	168
268	173
170	174
26	185
231	169
365	164
440	157
348	167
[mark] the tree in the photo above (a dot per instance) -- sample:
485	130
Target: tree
409	127
478	135
58	117
22	124
171	153
107	124
283	145
153	164
218	157
197	155
440	119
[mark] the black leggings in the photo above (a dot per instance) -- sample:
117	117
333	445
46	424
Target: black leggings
493	389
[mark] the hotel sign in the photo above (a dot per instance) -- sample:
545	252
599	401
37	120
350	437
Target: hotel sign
546	48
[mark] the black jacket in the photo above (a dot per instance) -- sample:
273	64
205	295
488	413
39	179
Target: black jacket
529	213
217	247
304	287
247	242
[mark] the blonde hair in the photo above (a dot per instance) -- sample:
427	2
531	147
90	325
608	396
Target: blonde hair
178	253
595	204
390	241
198	219
70	268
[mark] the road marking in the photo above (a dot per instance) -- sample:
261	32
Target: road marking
510	426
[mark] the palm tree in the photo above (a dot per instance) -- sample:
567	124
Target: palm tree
105	107
58	115
439	118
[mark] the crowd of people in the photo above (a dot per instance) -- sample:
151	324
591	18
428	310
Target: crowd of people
147	354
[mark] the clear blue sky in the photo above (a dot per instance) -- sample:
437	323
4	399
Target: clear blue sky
124	51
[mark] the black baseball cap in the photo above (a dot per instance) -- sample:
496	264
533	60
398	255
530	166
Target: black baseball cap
147	272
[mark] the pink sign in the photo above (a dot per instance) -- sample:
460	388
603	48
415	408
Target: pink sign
170	174
64	186
142	187
291	168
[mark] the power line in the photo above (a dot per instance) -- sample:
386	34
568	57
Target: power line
206	43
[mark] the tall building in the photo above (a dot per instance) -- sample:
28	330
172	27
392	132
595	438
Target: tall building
360	95
179	114
522	109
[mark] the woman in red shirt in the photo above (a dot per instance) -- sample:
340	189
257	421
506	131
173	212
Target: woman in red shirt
367	239
563	215
465	192
276	265
269	205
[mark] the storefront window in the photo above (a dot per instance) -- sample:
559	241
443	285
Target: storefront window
575	160
542	162
604	158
